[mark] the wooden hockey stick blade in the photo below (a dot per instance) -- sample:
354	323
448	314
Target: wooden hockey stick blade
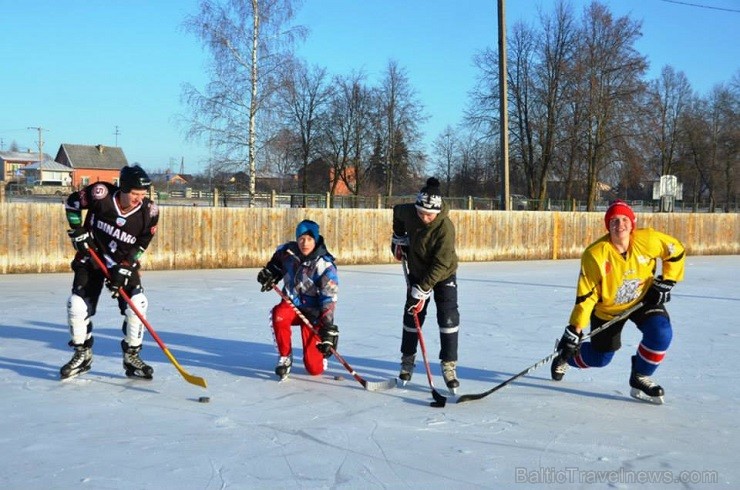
195	380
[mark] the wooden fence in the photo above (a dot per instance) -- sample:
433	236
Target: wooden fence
34	235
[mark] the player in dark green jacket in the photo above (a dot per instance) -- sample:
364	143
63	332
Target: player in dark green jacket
424	237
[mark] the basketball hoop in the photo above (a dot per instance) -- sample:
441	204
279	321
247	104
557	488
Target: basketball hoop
667	190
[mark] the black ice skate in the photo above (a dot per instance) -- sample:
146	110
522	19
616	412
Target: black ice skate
81	361
449	374
407	368
644	388
283	366
132	363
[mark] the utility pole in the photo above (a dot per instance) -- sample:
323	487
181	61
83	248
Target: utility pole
503	106
41	142
116	133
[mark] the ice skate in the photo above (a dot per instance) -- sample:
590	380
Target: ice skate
132	363
81	361
407	369
450	376
644	388
283	366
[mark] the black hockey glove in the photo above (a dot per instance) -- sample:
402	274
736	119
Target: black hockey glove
400	246
569	342
120	275
269	276
81	239
659	292
329	339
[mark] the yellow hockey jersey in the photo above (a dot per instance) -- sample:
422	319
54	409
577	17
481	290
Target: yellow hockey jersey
611	283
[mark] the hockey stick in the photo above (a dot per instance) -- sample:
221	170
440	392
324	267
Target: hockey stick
626	313
439	399
368	385
196	380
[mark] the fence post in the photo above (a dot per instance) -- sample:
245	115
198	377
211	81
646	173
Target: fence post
470	203
273	198
555	234
328	200
215	197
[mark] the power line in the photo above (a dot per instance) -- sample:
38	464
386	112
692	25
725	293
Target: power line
701	6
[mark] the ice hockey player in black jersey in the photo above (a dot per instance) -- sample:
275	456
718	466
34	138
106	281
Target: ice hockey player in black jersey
119	225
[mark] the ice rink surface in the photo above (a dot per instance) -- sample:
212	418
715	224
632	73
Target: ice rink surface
104	431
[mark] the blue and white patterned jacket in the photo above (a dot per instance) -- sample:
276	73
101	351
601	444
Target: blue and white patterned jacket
310	281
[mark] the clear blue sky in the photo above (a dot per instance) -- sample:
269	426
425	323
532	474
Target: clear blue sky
80	69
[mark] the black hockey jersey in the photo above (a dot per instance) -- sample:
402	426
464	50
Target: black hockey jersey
121	236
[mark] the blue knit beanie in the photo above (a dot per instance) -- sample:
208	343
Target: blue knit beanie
307	227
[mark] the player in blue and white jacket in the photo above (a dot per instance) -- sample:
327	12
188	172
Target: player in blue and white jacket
310	280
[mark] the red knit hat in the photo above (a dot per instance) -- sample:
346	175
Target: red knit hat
619	207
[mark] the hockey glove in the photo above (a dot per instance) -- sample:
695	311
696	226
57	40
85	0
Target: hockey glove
400	246
81	239
569	342
269	276
659	292
329	339
120	275
416	299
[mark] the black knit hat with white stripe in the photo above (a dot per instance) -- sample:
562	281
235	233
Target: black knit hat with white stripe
429	199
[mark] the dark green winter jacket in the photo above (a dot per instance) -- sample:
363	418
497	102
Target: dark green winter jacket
432	257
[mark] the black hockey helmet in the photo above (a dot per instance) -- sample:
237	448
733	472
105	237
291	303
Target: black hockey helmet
133	178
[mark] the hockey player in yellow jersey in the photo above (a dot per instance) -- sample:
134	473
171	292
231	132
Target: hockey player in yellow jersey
617	272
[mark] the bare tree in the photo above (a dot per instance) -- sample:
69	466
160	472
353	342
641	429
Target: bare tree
667	100
610	88
346	136
538	73
477	164
520	76
400	114
445	150
582	114
282	156
303	98
248	41
720	167
553	73
482	113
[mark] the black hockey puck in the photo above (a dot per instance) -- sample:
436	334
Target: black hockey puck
204	399
437	404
